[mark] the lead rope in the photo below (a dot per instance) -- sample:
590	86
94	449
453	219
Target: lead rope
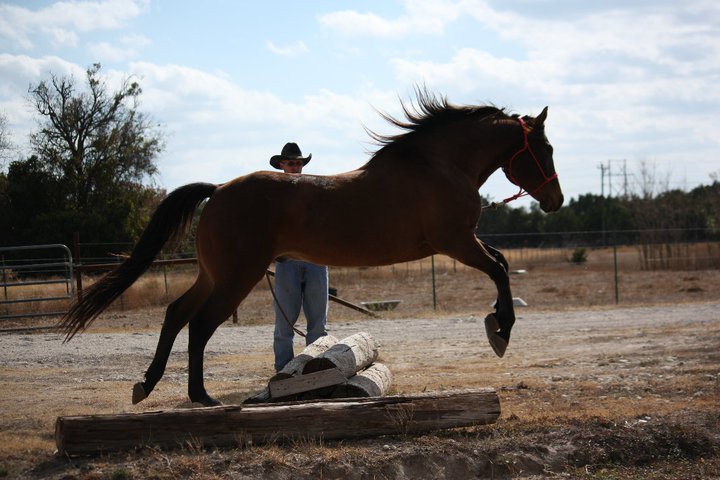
272	290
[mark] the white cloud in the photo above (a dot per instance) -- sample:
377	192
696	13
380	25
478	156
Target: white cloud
599	59
619	82
291	50
130	46
18	73
421	17
216	121
61	22
615	90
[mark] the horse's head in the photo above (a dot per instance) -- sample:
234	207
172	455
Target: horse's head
532	168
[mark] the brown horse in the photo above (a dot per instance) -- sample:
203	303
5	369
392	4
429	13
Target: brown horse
417	196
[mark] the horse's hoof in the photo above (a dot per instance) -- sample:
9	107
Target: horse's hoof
138	393
211	402
207	401
498	344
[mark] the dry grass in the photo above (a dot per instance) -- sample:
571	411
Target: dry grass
617	403
551	281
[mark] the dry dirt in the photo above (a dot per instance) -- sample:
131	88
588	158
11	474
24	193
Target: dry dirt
629	391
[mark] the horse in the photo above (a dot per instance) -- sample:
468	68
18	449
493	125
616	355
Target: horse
417	195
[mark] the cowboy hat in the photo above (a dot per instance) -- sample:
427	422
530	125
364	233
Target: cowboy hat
290	151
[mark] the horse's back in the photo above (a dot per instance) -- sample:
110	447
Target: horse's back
347	219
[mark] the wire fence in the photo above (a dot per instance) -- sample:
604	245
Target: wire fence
607	271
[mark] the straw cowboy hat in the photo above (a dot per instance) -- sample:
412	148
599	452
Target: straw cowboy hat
290	151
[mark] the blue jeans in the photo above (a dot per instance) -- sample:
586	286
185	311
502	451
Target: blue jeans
298	285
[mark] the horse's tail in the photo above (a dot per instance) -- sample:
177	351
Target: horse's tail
172	218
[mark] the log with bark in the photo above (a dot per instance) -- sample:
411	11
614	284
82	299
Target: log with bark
294	368
327	368
254	424
374	381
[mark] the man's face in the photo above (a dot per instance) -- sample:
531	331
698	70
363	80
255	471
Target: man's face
291	166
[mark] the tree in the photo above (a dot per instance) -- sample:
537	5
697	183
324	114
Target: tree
5	143
99	149
30	193
95	141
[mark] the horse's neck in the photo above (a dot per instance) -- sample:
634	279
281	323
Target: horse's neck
479	152
476	151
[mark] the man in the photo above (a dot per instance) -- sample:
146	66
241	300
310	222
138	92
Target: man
298	284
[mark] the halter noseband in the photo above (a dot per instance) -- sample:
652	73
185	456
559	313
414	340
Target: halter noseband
508	169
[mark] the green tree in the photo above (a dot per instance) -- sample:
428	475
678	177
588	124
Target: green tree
97	142
29	195
98	150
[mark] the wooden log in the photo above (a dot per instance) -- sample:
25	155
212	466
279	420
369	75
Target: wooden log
306	383
374	381
255	424
349	355
263	396
296	365
294	368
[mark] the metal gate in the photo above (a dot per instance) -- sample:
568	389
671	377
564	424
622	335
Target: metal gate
30	265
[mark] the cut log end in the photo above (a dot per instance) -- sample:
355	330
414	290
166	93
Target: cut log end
318	364
349	355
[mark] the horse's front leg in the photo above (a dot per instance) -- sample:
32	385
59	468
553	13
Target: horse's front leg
498	325
497	254
500	258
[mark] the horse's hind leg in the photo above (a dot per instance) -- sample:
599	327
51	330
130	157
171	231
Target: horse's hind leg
177	315
219	306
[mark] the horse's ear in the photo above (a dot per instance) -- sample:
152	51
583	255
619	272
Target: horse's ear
540	119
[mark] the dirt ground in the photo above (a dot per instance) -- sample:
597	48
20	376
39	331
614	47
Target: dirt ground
587	390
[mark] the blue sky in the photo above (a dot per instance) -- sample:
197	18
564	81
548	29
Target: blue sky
632	82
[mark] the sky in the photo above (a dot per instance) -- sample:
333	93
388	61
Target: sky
627	83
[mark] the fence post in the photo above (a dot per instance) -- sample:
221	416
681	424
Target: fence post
432	264
617	292
122	295
5	281
76	254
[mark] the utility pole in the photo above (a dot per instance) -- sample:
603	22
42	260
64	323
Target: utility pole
625	175
606	172
602	200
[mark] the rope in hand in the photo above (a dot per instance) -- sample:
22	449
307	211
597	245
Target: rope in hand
272	290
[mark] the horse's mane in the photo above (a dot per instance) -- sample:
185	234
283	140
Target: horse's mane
431	112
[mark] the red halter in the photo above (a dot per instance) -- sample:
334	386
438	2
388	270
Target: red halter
508	170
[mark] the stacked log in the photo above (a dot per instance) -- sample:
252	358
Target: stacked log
329	368
374	381
296	366
350	355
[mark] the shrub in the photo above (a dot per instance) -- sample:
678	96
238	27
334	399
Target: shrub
579	256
